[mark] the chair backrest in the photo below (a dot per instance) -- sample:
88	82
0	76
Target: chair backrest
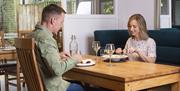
24	33
25	48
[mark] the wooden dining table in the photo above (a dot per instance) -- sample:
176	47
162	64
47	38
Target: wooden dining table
7	54
10	55
127	76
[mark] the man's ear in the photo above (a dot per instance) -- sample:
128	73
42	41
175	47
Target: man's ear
52	20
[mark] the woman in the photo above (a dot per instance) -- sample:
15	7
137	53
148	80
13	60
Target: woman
139	46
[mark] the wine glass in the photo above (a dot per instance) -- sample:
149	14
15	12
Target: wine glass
96	46
110	48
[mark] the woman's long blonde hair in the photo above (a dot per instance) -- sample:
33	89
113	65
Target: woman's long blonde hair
141	24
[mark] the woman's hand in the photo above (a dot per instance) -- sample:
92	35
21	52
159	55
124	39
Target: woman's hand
119	50
131	50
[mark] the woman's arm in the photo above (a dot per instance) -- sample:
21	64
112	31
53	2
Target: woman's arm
151	51
146	58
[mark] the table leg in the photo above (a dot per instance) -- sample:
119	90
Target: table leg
0	85
175	86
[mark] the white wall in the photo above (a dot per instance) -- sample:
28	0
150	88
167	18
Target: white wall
129	7
83	26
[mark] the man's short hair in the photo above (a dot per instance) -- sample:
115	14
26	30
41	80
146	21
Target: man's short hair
51	9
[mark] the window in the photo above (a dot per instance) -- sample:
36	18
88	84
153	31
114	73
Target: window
165	14
90	7
164	7
7	16
29	13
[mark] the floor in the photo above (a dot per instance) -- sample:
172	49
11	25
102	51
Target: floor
12	88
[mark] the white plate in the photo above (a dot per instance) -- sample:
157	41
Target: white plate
9	48
86	62
115	58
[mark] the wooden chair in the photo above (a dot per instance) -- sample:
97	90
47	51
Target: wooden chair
9	69
25	48
23	33
1	60
3	66
13	73
1	38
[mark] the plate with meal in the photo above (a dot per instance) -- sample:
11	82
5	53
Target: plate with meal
115	58
86	62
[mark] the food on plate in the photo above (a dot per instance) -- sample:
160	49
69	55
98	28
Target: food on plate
86	61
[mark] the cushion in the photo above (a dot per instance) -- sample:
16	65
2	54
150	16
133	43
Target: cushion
166	38
168	55
117	37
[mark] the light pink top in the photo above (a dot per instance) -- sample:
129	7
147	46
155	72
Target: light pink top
148	47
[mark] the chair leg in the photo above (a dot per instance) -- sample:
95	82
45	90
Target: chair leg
0	85
24	84
6	82
18	84
18	79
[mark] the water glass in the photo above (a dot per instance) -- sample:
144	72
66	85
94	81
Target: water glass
96	46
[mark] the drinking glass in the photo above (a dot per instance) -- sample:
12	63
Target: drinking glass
102	52
110	48
96	46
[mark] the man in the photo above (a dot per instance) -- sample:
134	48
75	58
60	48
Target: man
54	64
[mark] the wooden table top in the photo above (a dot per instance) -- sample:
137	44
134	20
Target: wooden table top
7	54
7	51
126	71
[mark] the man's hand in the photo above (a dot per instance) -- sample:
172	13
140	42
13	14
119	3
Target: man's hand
64	55
77	57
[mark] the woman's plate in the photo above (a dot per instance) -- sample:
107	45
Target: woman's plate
115	58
